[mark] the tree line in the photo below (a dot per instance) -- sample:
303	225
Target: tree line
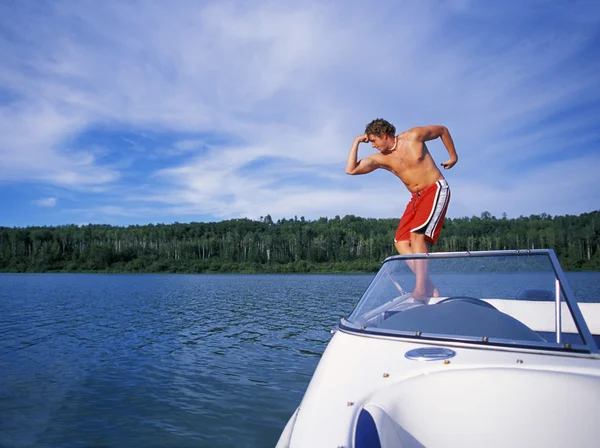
348	244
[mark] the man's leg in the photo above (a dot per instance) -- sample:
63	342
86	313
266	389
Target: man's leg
417	244
403	247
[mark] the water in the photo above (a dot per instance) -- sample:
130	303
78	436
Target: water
166	360
161	360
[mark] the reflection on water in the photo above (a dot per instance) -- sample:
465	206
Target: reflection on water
166	360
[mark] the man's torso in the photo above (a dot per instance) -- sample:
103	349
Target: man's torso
412	163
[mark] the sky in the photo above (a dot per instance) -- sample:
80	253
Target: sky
142	112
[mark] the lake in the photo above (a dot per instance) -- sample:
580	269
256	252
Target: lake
95	360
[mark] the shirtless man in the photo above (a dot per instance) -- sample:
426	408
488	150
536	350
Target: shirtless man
408	158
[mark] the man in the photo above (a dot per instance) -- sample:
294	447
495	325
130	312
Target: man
408	158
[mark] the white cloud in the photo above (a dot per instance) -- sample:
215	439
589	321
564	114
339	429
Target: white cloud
260	102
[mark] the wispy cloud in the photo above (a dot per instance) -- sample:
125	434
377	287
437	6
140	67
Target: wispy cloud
242	109
46	202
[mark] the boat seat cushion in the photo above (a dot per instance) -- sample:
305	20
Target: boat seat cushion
460	318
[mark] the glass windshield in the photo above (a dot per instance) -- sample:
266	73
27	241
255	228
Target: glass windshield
508	296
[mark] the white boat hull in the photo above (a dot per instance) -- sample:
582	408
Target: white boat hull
448	402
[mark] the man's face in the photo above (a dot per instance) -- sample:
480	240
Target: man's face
382	144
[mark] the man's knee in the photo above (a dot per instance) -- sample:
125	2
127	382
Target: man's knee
403	247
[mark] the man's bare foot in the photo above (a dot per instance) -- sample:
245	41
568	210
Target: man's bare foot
431	290
419	294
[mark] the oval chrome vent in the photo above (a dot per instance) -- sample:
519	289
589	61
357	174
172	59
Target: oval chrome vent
430	354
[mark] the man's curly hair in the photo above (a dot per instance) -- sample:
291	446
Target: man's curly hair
379	127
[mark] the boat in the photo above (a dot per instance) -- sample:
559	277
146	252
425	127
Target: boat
498	353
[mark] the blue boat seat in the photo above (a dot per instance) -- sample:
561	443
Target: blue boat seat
461	318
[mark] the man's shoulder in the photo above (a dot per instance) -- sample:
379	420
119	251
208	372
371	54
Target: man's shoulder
377	158
414	133
418	133
381	160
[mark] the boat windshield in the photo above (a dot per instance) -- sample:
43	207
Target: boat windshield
496	297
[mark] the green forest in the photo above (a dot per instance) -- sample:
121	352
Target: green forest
348	244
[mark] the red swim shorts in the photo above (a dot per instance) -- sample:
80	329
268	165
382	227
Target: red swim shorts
425	213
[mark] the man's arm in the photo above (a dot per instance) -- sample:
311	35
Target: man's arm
363	166
426	133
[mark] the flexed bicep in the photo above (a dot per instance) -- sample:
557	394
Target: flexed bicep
364	166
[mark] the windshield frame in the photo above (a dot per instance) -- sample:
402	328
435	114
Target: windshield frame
561	286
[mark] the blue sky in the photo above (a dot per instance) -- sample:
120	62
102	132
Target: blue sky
155	112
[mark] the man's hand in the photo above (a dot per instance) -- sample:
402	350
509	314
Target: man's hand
449	164
362	138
